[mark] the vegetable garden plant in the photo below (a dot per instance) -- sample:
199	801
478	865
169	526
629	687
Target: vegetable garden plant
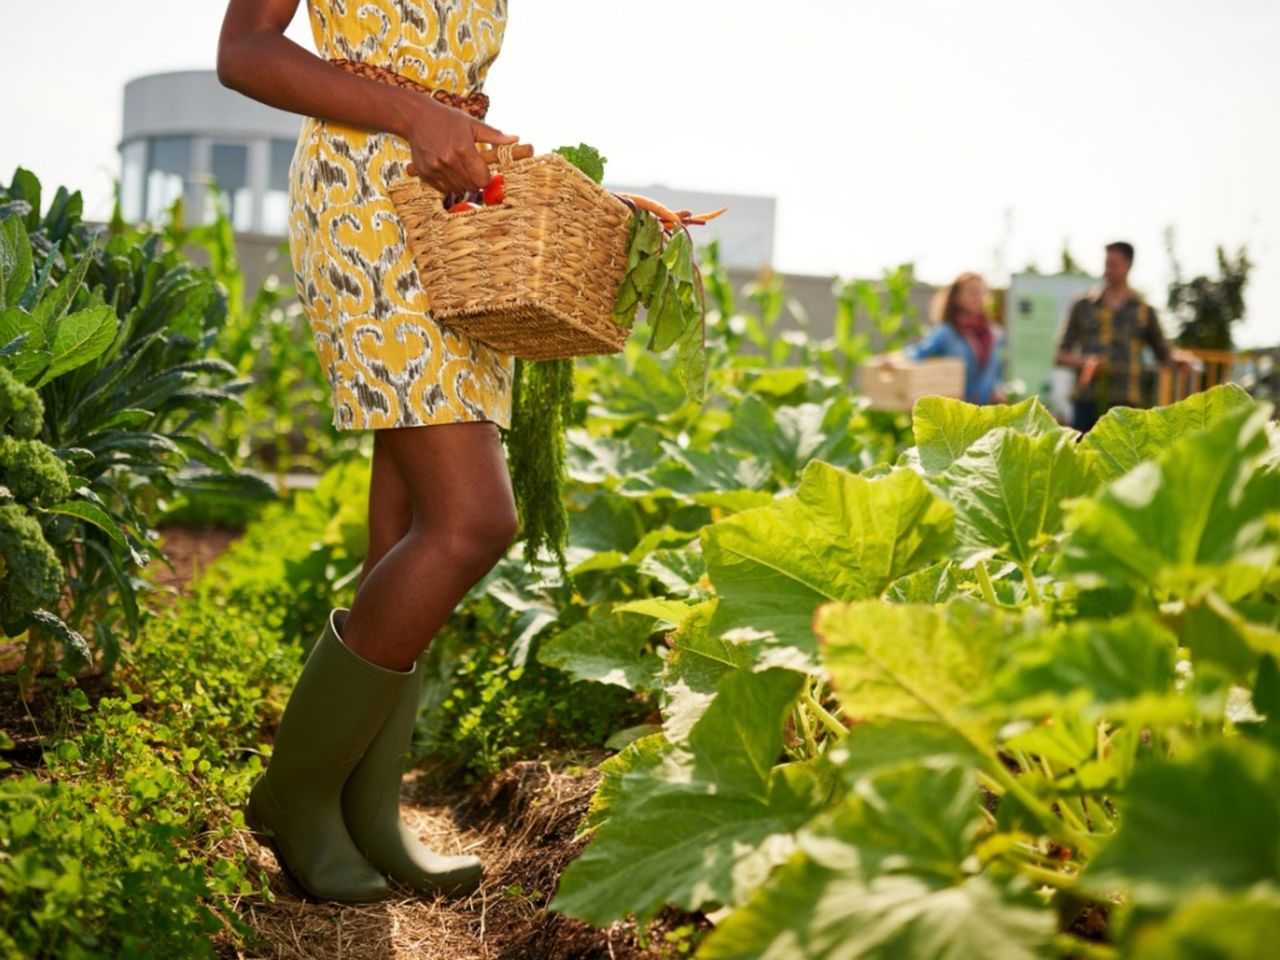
1014	696
105	381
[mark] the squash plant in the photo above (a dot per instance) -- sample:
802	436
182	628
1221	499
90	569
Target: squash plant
1015	695
113	334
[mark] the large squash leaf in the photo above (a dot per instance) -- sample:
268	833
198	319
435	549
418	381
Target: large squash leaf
1241	927
1125	436
790	437
1008	489
693	670
918	663
1208	822
839	537
701	823
1191	519
606	648
944	428
887	874
1092	663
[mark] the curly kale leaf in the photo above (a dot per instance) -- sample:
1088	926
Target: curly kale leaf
32	575
33	472
21	409
587	159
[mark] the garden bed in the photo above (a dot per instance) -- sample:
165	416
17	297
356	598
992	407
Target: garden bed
521	824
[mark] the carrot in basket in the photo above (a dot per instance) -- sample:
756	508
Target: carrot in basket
653	206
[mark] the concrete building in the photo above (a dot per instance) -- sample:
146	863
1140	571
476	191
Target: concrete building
183	131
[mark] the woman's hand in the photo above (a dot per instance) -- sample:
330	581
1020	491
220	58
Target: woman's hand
443	142
257	59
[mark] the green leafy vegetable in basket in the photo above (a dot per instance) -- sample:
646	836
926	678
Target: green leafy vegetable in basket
662	276
585	158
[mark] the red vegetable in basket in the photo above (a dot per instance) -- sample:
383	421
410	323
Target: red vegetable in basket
495	192
464	205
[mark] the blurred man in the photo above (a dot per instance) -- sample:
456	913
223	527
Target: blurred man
1103	338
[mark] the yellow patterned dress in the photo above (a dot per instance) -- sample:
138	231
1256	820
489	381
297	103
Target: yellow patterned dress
389	363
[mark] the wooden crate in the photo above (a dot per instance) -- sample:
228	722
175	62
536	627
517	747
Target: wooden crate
900	386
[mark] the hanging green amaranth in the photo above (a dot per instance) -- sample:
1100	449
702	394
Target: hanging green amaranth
542	406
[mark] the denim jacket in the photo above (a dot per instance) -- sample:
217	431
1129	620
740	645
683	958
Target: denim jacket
945	340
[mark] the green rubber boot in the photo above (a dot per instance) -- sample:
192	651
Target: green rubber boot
371	809
336	708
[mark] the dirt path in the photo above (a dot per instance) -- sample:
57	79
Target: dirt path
190	549
522	826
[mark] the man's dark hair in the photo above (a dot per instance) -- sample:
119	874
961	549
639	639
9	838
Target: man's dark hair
1122	248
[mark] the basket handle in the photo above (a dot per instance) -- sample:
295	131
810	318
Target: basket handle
503	155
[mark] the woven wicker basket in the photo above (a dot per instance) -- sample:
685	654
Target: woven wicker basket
535	277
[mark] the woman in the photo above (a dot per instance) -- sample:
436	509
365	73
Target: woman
964	329
441	511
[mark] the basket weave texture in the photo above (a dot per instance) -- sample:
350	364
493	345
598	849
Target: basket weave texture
536	276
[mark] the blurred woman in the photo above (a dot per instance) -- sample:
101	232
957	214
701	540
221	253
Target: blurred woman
963	328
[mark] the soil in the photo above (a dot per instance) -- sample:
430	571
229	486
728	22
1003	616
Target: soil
521	824
190	549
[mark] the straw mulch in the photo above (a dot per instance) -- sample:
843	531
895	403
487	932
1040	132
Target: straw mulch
522	825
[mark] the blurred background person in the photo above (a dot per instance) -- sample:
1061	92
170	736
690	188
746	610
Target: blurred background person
963	328
1102	340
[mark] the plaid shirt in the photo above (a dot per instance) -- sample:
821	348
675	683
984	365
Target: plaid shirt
1117	337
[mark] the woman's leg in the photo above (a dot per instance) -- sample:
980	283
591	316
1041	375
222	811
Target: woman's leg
371	795
390	509
463	521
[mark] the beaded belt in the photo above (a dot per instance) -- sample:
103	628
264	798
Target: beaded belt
475	104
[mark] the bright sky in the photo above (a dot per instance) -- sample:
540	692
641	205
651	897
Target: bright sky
978	135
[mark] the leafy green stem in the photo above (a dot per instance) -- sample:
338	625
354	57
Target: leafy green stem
1029	576
833	725
1084	949
1043	875
984	581
806	729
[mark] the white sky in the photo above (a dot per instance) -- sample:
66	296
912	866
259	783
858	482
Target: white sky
925	130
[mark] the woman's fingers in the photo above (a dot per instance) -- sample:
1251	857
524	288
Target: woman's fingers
483	133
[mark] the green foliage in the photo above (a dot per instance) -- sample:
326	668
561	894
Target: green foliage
542	406
890	872
1014	675
21	411
699	832
120	846
1125	436
586	158
1207	307
32	472
481	712
299	558
32	574
662	277
112	333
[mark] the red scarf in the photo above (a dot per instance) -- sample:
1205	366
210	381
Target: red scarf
976	329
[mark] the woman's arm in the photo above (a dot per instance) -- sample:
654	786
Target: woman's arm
258	60
931	346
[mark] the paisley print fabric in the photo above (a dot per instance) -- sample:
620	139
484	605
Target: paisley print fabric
389	363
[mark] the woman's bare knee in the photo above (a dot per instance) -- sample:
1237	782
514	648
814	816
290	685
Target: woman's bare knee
475	542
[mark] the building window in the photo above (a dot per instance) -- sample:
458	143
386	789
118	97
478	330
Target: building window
168	175
275	201
229	167
133	179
